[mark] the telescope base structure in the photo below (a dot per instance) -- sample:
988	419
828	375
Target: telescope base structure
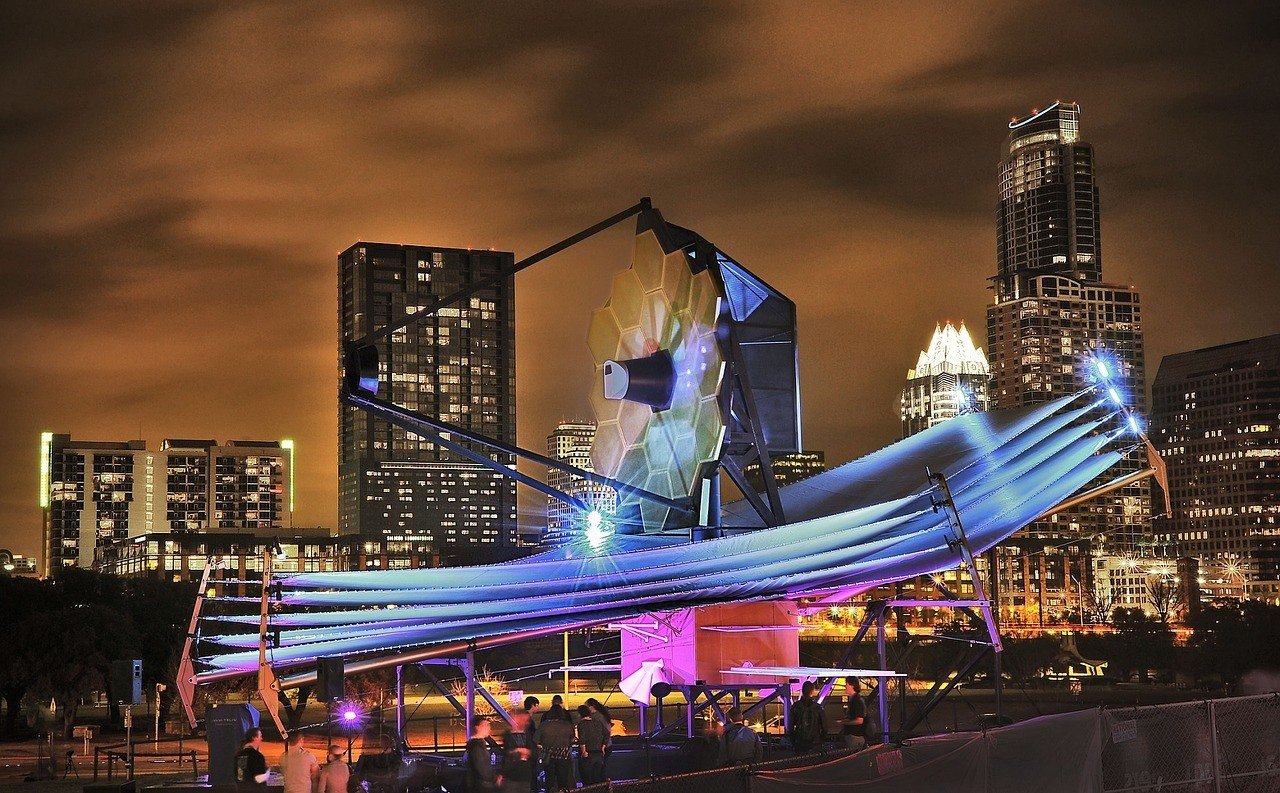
694	645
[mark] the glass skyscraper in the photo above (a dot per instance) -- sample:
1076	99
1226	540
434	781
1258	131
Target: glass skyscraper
1052	314
459	366
1216	422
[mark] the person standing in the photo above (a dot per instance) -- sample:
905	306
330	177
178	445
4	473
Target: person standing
516	755
593	738
531	705
740	744
251	766
601	714
854	731
336	774
480	772
555	737
297	765
556	711
808	724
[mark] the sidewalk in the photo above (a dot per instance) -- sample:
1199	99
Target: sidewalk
18	759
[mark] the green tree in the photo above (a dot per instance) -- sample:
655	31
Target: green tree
20	598
1027	659
69	652
160	611
1230	640
1140	644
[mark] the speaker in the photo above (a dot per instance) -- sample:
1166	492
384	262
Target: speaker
225	727
330	670
126	682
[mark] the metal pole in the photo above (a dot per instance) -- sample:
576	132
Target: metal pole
566	667
128	727
400	704
159	688
882	691
1213	744
997	667
470	670
690	696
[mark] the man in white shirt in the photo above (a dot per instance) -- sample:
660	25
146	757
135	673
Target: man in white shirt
298	766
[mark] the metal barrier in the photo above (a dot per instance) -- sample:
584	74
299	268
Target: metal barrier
1189	747
1212	746
120	753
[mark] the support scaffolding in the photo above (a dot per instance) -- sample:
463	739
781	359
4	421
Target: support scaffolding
978	610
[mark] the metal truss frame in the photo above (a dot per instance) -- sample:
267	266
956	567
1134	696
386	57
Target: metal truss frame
702	697
978	609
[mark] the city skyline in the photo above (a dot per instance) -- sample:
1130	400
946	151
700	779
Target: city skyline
142	209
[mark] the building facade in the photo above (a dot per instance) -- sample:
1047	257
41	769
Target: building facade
183	557
458	366
93	493
787	468
570	442
15	564
1216	421
950	378
1053	316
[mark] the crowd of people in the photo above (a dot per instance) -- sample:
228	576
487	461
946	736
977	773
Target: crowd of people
301	771
547	743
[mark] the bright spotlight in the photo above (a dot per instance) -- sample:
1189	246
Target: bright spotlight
1103	367
597	529
349	715
1134	425
1115	397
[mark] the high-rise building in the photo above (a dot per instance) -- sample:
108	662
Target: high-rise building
459	366
1049	214
570	442
949	378
1215	420
787	468
95	492
1052	315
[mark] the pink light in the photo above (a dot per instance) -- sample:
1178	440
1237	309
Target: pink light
349	715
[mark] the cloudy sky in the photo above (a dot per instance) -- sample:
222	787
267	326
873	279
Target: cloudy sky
176	180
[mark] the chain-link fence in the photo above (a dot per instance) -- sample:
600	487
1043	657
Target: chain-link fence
1215	746
1212	746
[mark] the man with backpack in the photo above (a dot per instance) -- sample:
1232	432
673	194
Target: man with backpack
740	744
808	724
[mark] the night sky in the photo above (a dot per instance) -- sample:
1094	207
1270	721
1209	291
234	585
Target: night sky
176	180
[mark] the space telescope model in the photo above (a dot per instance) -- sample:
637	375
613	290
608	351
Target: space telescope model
695	374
